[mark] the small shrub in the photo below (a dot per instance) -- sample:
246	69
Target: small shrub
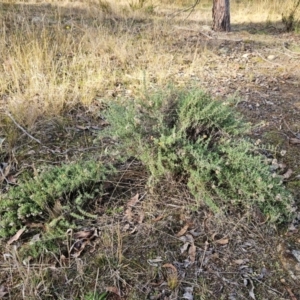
190	136
57	198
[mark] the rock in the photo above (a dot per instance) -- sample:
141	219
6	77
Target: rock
271	57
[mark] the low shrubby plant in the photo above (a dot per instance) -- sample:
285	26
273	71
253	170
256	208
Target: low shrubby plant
195	139
56	199
182	134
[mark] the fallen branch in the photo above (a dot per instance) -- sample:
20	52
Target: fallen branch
21	128
275	64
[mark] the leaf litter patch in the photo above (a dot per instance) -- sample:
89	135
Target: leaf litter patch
187	254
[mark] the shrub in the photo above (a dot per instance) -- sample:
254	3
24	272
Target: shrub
57	198
190	136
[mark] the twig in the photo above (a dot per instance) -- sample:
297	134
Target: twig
209	37
95	288
289	55
293	297
289	129
205	249
190	8
267	286
275	64
69	150
194	30
39	142
297	53
21	128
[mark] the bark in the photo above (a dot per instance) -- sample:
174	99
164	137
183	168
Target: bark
221	15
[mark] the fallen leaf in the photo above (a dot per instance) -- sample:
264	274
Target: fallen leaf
251	292
1	141
158	218
69	232
126	227
128	214
113	290
141	217
183	230
63	259
184	247
155	262
83	234
35	239
12	179
188	238
194	233
133	201
192	253
3	291
133	230
222	241
7	256
239	261
157	284
294	141
30	152
170	266
288	174
16	236
188	293
282	166
4	170
292	295
103	123
78	247
82	127
27	260
283	152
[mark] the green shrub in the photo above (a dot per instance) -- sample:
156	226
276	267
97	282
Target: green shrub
57	198
190	136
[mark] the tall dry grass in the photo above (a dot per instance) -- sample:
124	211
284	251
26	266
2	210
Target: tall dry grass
58	55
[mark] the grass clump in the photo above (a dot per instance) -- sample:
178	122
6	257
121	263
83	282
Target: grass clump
289	18
57	198
193	138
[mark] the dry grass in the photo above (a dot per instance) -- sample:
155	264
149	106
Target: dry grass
59	57
55	57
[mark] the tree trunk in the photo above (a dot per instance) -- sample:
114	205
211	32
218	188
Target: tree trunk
221	15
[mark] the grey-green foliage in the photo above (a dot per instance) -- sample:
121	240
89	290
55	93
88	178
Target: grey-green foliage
189	135
73	185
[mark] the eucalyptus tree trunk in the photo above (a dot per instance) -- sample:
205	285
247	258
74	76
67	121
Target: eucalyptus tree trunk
221	15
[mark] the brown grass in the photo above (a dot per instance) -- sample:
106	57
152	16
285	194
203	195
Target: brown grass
55	57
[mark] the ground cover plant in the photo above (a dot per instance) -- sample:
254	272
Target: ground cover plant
116	186
39	198
189	135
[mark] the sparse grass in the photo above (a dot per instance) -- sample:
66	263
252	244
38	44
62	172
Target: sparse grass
69	60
